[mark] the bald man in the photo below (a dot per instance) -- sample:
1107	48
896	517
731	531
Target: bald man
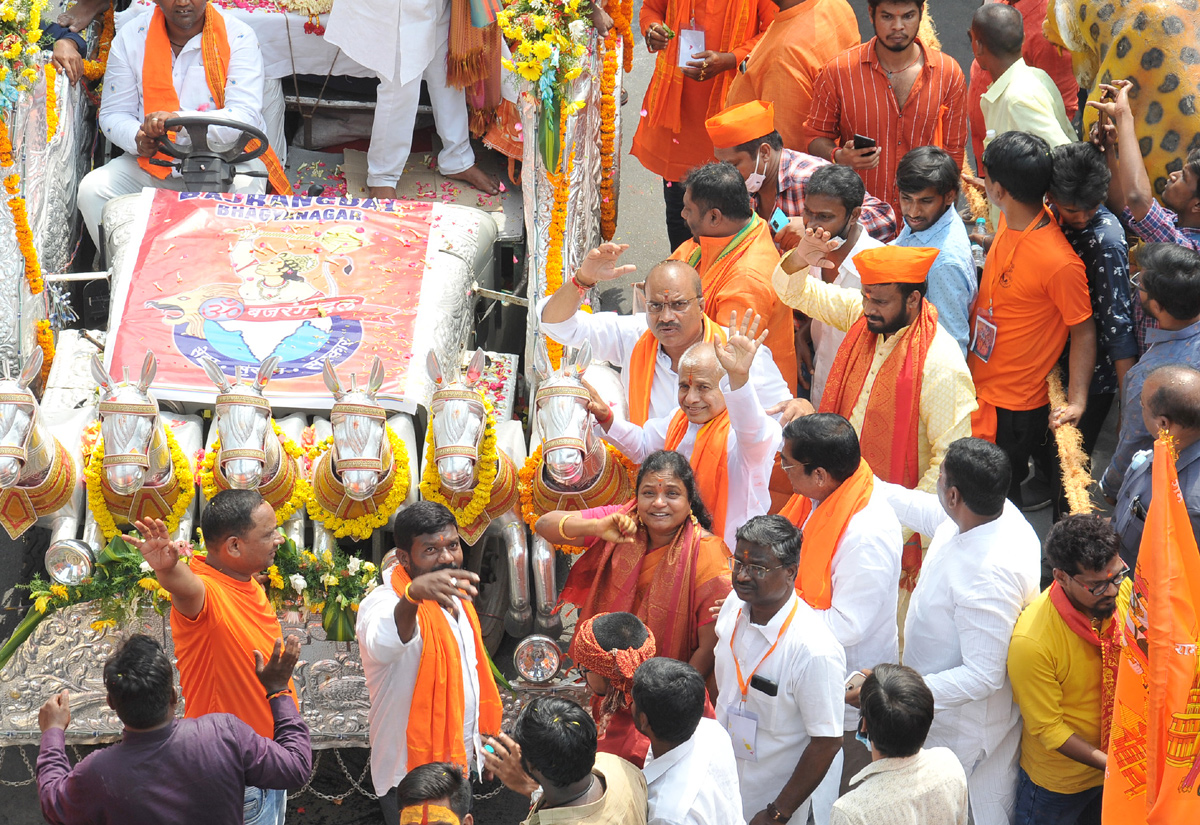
647	346
1170	402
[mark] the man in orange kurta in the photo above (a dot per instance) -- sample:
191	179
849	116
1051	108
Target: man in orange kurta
805	35
670	138
732	249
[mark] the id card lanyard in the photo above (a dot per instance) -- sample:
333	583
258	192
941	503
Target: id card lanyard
744	683
995	281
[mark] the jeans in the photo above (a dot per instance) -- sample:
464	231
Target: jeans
264	806
1038	806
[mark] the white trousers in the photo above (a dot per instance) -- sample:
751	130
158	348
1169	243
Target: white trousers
273	110
123	176
396	116
992	782
826	793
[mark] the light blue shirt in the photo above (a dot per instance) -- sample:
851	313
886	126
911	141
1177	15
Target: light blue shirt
952	280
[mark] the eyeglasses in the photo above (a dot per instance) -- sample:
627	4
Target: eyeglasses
756	571
787	468
1135	279
677	307
1102	588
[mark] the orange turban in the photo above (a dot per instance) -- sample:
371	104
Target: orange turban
617	666
741	124
894	264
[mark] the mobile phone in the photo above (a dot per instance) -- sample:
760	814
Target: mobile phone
778	220
765	685
864	142
856	679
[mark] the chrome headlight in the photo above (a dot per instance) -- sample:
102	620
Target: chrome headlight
70	561
537	659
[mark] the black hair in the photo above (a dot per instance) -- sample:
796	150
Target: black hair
839	182
981	473
750	147
719	186
1021	163
139	679
1080	177
925	167
1174	398
1171	276
909	289
619	631
671	694
897	706
557	739
1082	543
776	534
874	4
229	513
432	782
823	440
672	462
1192	162
1000	28
421	518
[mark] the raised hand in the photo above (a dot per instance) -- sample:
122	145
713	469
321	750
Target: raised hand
156	546
1114	100
737	353
815	246
276	672
598	407
601	264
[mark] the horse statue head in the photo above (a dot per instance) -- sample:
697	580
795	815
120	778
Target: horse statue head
362	454
250	452
458	419
572	453
135	443
24	451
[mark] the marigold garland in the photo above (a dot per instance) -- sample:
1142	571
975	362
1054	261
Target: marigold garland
558	227
622	16
95	493
608	121
94	69
6	149
486	468
530	468
300	492
51	102
362	527
45	340
33	270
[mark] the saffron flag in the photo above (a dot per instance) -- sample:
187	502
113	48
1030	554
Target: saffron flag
1153	773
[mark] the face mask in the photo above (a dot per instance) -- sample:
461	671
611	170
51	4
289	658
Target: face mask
756	180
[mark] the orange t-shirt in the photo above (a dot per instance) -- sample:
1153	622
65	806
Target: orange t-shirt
1042	293
215	650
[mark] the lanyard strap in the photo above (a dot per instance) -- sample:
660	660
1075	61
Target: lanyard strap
995	281
744	684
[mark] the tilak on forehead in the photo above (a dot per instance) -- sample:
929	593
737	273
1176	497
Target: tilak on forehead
426	814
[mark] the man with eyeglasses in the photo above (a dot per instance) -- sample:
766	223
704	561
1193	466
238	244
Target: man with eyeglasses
780	677
1062	663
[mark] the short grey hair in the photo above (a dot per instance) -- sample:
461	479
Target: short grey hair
775	533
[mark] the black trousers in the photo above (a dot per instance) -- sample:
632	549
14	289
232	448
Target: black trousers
1019	433
677	228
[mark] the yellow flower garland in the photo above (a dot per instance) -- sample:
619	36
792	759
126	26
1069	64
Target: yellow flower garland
489	463
362	527
94	69
51	102
608	116
300	493
45	340
95	493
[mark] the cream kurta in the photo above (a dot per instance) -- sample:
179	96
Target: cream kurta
947	391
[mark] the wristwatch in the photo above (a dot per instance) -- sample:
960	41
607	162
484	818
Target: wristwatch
775	814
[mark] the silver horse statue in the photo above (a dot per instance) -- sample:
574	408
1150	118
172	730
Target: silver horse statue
457	421
359	467
39	475
137	457
251	455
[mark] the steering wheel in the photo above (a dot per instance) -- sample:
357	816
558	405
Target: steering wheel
203	168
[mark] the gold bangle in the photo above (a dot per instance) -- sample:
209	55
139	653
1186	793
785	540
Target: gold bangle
561	523
407	597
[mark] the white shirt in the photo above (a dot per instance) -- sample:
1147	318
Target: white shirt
613	338
928	788
368	31
972	588
390	667
809	667
121	107
695	783
866	589
754	438
827	339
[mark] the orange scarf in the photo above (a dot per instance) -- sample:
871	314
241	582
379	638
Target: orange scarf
642	362
1110	653
710	461
664	98
893	415
158	87
435	719
824	532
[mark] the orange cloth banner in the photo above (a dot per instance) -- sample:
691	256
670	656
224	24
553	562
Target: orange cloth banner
1153	770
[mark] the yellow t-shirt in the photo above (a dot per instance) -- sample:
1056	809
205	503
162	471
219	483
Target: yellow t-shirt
1056	681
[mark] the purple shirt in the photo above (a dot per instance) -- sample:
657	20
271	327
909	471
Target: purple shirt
189	770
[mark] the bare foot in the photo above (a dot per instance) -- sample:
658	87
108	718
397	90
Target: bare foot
383	192
80	16
478	179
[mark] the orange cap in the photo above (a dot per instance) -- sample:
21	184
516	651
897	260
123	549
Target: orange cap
741	124
894	264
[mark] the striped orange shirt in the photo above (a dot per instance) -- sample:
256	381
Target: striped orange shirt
852	95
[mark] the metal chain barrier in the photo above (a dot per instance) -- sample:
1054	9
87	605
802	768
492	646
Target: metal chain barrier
32	773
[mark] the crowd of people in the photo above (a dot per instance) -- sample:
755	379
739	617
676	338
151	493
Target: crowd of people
824	600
